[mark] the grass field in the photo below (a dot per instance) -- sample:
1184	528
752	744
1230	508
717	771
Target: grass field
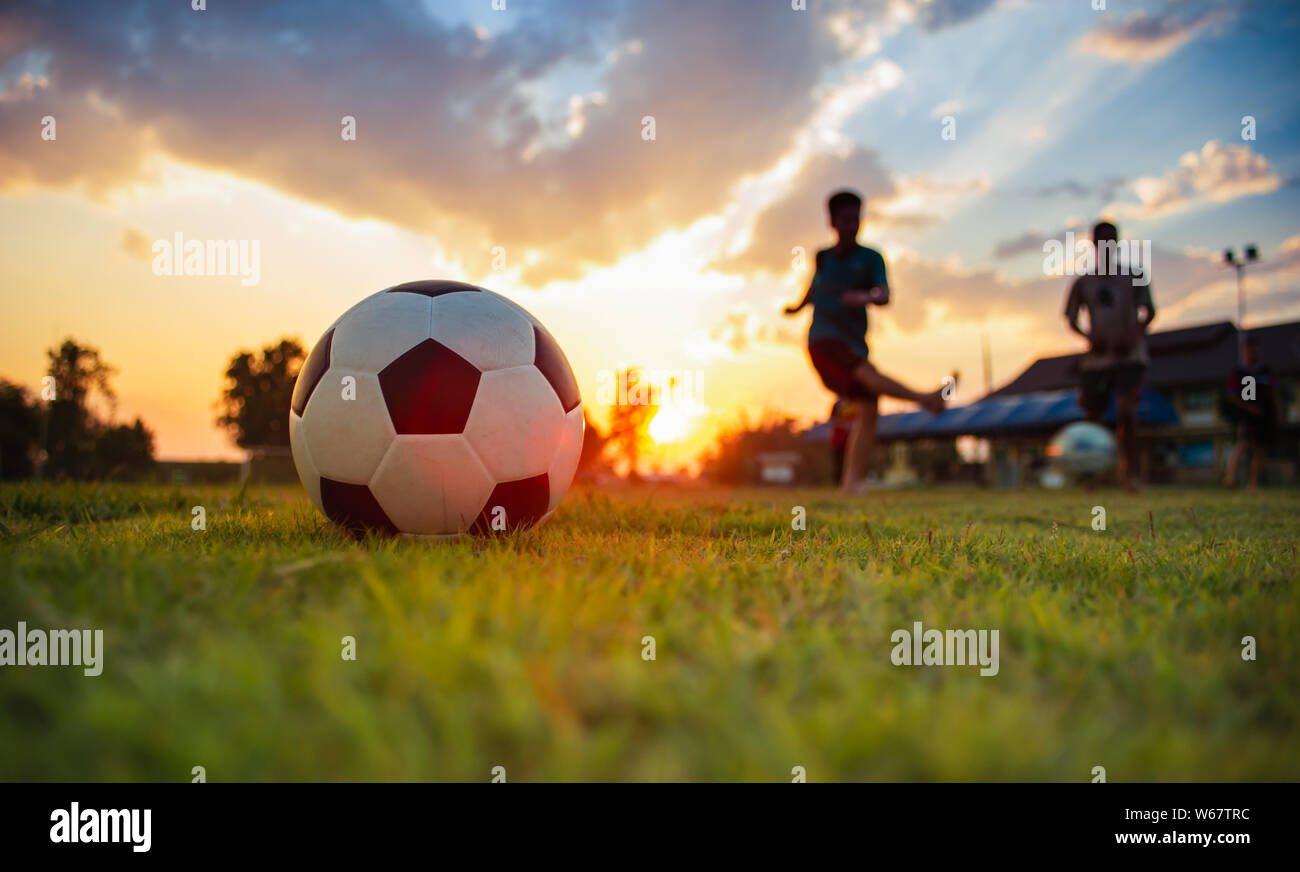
772	646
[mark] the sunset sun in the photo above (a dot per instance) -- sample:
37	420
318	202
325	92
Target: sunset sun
668	426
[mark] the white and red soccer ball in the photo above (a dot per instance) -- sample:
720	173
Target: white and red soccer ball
434	408
1082	448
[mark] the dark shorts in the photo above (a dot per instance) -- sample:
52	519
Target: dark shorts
1097	385
835	361
1259	430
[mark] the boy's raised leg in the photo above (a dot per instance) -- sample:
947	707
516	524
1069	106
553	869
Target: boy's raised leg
882	385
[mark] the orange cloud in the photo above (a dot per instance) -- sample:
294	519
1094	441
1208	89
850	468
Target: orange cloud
1216	173
1141	38
136	244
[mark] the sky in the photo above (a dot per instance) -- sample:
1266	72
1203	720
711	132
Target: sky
647	177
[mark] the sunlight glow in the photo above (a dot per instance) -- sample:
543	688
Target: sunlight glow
668	425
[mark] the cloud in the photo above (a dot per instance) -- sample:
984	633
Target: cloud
740	331
1199	288
798	217
947	107
1104	189
1022	244
1033	239
1070	186
1284	265
927	288
860	26
1280	303
919	199
24	87
1217	173
1291	251
444	116
1141	38
455	137
136	244
938	14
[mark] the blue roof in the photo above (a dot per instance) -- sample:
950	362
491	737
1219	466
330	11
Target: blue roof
1004	415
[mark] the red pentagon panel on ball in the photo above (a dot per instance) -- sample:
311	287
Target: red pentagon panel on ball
431	288
429	389
524	501
555	366
354	507
312	369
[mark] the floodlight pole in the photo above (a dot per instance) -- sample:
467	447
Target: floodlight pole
1241	305
1250	255
987	355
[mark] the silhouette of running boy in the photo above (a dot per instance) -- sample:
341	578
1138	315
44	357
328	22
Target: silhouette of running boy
850	277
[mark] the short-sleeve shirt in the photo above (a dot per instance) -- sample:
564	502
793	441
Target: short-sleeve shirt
1265	387
1112	303
860	270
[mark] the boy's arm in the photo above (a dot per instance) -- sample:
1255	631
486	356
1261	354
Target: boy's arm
876	292
1073	303
1279	414
876	296
1146	307
807	298
1233	388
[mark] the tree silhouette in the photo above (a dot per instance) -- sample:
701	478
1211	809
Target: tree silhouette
593	445
629	417
80	441
20	431
255	403
80	375
123	451
734	456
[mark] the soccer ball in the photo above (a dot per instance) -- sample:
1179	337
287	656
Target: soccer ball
1083	448
434	408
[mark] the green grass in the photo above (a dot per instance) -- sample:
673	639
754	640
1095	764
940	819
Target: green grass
773	645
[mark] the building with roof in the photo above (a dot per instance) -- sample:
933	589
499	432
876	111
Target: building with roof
1182	432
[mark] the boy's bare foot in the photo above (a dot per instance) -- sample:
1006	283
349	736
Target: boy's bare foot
934	403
